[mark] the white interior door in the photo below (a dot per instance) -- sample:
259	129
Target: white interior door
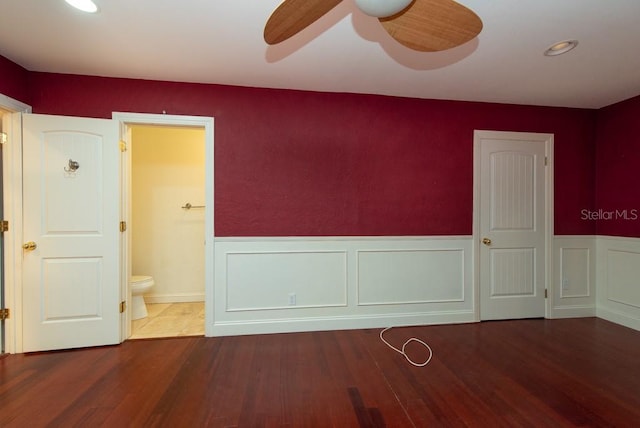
512	225
71	271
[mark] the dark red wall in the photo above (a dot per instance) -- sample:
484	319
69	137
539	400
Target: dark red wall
618	169
13	81
293	163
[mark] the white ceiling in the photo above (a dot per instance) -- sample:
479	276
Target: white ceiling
220	41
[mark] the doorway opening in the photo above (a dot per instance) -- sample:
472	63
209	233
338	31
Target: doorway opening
166	229
184	295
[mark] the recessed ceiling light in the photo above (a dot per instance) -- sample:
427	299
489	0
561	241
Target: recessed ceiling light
84	5
561	47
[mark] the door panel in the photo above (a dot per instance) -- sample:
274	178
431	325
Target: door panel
512	227
512	272
71	289
72	200
512	191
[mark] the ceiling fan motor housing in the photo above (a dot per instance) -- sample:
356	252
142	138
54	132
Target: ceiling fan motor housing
382	8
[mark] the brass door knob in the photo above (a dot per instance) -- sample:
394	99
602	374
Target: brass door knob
29	246
486	241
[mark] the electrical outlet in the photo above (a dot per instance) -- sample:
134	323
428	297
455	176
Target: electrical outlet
292	299
565	284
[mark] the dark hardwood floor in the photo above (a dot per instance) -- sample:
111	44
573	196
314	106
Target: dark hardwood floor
530	373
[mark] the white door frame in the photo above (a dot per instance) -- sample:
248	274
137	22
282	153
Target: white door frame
547	140
12	179
126	119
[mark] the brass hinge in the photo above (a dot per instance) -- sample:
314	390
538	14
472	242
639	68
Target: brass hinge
5	314
546	293
123	146
3	138
4	226
123	226
123	306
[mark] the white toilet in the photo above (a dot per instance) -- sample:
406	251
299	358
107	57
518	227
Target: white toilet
140	284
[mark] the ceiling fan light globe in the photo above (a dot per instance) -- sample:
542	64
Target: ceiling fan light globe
382	8
84	5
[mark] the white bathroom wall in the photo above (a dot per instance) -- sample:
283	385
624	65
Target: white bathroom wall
168	241
269	285
618	295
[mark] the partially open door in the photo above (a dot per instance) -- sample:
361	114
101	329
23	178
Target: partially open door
71	206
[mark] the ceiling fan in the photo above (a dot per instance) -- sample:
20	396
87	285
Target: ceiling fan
422	25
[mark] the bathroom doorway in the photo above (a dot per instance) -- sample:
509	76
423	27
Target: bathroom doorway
168	207
167	228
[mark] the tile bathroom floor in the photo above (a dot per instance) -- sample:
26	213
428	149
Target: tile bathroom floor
170	320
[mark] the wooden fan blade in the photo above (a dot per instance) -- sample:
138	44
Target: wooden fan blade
433	25
293	16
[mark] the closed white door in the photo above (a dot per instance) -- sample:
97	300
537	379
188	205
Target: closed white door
512	224
71	203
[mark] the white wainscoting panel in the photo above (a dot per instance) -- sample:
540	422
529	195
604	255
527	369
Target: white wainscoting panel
623	277
573	289
509	281
403	277
275	285
618	294
292	279
575	265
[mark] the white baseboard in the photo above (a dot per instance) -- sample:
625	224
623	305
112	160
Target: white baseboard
574	311
619	318
293	325
173	298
